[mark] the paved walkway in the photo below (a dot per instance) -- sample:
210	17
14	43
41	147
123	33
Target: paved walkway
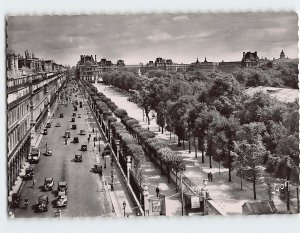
227	196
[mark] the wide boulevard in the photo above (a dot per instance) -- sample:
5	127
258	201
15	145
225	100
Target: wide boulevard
87	194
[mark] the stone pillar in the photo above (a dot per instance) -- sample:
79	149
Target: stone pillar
128	168
146	200
118	149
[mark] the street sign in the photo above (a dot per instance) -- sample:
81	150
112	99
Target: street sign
195	202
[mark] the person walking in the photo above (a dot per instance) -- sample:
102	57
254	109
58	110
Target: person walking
208	176
33	182
157	191
211	177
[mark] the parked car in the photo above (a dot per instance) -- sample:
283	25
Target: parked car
75	140
82	132
61	115
42	203
79	115
34	155
74	114
48	151
73	119
48	184
58	124
75	108
74	126
62	199
29	172
98	169
83	147
16	200
78	158
62	187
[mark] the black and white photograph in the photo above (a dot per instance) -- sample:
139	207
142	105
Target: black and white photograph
152	115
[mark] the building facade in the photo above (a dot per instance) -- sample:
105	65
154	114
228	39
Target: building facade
33	87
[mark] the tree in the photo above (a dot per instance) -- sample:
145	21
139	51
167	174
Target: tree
249	151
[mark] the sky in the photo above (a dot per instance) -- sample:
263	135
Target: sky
137	38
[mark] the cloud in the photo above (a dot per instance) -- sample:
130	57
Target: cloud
157	37
180	18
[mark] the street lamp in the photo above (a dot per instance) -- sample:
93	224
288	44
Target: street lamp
124	206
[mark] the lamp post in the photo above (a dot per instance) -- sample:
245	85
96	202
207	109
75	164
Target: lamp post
124	206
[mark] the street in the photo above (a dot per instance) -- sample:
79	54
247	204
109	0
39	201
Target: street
87	195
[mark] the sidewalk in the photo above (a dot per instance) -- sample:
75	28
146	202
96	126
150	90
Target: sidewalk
118	195
19	180
227	196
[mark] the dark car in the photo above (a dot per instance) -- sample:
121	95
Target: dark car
29	172
67	134
83	147
78	158
48	125
75	108
74	114
73	119
98	169
48	184
58	124
75	140
82	132
74	127
42	203
61	115
48	151
62	187
16	200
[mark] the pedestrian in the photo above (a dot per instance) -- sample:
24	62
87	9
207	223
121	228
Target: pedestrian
211	177
88	139
46	143
33	182
157	191
208	176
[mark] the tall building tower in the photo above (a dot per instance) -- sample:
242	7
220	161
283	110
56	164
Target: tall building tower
282	55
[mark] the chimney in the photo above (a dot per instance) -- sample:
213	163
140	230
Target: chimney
95	58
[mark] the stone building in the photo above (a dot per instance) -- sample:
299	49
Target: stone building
282	55
250	59
32	94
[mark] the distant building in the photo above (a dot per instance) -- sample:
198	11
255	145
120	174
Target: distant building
205	65
250	59
88	67
120	63
259	207
282	55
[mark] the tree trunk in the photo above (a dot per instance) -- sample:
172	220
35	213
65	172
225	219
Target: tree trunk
229	173
176	181
189	145
254	189
210	165
202	156
178	144
195	147
183	144
168	170
219	167
162	130
158	128
170	136
241	182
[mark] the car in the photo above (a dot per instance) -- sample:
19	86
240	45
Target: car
106	152
61	115
82	132
76	102
73	119
98	168
78	158
75	108
45	131
74	114
16	199
58	124
83	147
48	125
43	202
62	199
62	187
48	184
75	140
67	134
29	172
79	115
34	155
74	126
